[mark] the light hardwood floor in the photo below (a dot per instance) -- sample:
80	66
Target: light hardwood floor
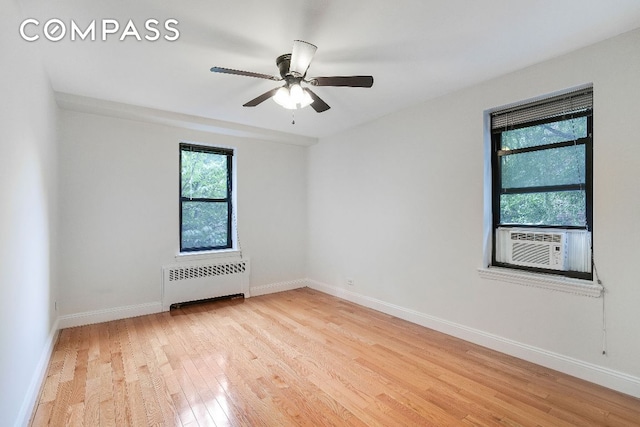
303	358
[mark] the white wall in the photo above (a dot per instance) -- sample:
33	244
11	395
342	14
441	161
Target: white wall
119	209
397	205
28	186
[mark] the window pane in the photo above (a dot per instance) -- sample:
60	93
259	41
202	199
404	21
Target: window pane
204	225
204	175
555	166
548	133
566	208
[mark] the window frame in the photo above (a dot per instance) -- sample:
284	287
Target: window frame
229	153
497	190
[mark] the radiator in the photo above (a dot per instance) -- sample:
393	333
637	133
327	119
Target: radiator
193	282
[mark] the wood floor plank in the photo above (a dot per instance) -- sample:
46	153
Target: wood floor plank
50	388
92	402
301	358
107	409
75	415
122	411
42	414
59	408
183	409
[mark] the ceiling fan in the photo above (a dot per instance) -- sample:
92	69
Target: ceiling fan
293	71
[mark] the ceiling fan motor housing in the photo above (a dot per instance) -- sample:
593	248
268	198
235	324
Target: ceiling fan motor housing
283	62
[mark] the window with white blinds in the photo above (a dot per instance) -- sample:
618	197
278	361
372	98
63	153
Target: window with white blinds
542	157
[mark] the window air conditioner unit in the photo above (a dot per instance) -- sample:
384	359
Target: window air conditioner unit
540	249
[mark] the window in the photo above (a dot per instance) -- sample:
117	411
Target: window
542	185
205	198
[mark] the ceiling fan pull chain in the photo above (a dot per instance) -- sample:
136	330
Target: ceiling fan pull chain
293	117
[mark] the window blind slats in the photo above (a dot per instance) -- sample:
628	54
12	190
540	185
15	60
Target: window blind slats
567	103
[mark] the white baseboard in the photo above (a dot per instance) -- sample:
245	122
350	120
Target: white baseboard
27	410
278	287
106	315
606	377
116	313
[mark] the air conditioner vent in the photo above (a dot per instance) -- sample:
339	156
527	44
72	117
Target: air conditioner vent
530	253
537	237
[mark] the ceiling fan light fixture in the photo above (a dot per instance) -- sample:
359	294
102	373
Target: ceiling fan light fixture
300	96
306	99
301	56
283	98
293	97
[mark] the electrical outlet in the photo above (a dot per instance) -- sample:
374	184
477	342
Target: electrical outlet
351	282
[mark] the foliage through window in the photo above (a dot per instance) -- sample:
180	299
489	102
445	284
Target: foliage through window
542	171
205	198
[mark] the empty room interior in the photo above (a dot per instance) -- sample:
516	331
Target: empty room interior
388	213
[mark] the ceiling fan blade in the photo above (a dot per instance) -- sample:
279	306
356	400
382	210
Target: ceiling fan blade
318	104
350	81
301	56
260	99
243	73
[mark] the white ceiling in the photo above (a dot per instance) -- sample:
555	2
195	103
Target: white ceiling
414	49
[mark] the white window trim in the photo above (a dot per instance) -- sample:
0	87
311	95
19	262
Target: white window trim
551	282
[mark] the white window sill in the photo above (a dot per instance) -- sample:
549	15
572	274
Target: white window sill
545	281
204	255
